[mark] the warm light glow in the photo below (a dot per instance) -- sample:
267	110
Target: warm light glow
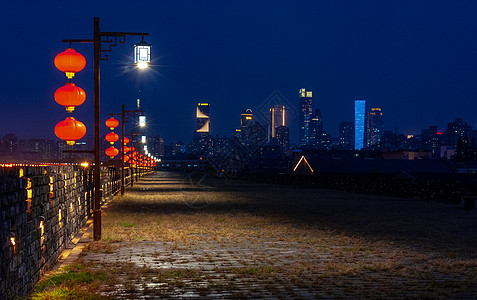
85	164
143	139
42	228
142	65
12	241
20	172
306	162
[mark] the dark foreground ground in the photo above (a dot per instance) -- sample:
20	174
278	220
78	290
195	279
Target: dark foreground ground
193	237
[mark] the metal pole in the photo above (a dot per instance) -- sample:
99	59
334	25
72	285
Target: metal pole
97	159
132	169
123	119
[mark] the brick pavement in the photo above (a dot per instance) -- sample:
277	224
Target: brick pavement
218	239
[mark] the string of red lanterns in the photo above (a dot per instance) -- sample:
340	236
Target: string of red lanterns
70	96
112	137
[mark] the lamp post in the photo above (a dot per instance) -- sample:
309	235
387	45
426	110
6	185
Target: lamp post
110	39
142	121
132	141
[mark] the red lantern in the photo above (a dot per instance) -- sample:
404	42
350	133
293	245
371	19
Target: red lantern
70	96
112	137
70	130
111	152
125	140
132	149
126	158
70	62
125	149
112	123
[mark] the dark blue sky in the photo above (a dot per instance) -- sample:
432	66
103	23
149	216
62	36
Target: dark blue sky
415	59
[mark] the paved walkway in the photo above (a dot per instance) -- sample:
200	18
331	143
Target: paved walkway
176	237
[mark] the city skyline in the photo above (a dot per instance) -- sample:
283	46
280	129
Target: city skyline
415	60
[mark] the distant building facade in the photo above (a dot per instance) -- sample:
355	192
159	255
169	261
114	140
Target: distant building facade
457	129
306	110
375	126
346	138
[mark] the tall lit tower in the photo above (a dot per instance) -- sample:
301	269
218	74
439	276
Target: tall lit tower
306	110
201	135
203	117
277	118
375	126
359	124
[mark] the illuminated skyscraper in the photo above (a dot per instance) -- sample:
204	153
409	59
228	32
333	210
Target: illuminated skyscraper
359	124
246	118
375	126
277	118
203	117
306	110
202	138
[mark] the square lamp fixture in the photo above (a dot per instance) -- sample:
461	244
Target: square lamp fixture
142	54
142	120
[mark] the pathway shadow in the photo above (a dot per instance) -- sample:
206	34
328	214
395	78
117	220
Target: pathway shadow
419	224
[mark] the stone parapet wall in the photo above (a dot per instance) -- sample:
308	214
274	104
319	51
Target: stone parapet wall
42	208
450	190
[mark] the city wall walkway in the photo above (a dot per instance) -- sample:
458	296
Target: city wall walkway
174	237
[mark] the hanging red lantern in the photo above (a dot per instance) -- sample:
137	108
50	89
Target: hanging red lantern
112	137
112	123
126	158
132	149
125	149
125	140
70	130
70	96
70	62
111	152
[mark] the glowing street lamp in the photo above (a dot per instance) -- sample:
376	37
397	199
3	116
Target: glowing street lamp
142	54
143	139
142	120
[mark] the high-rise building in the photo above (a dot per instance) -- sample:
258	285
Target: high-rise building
359	124
374	126
203	117
306	110
202	138
246	118
277	118
283	137
156	145
251	135
346	139
430	140
457	129
315	129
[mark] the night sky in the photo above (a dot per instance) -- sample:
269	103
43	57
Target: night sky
415	59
